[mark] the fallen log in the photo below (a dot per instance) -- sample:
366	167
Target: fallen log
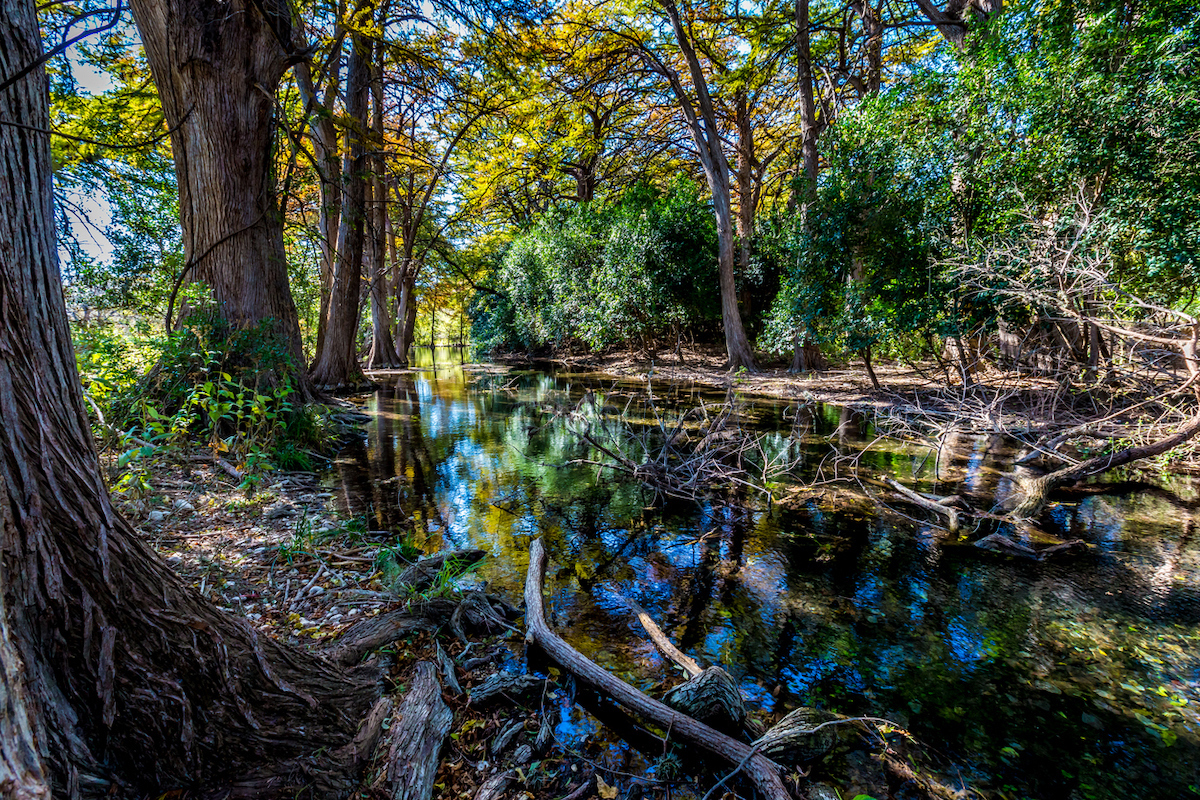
417	734
761	771
999	543
799	737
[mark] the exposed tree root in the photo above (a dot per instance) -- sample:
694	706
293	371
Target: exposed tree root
415	740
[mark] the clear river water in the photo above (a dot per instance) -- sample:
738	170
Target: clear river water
1070	678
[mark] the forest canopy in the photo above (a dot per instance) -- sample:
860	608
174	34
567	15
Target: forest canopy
584	175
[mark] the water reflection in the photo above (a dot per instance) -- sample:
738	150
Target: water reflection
1072	679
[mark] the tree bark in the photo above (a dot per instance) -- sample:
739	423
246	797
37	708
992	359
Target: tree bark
216	66
810	132
337	364
417	735
127	679
383	346
329	175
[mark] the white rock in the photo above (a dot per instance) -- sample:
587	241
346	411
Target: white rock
156	516
183	506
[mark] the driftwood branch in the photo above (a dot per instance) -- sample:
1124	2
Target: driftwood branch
664	645
940	509
700	687
761	771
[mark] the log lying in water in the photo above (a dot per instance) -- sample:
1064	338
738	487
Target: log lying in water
418	731
794	741
713	701
761	771
999	543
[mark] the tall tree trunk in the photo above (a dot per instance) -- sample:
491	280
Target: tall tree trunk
337	364
216	66
397	291
810	131
406	313
809	128
702	123
410	314
383	347
329	176
745	193
118	677
873	26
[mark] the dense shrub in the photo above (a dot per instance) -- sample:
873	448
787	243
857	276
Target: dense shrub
632	271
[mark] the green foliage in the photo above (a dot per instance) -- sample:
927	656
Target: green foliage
598	276
859	265
1098	96
154	396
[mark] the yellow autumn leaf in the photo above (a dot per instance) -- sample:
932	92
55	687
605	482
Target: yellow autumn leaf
605	791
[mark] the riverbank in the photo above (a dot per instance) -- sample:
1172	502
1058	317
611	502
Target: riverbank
921	397
925	385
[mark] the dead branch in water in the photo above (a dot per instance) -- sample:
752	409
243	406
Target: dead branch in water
761	771
700	455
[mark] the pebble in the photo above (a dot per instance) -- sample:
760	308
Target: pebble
175	560
280	509
184	506
316	590
156	516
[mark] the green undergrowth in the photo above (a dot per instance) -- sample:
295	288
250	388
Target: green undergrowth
226	393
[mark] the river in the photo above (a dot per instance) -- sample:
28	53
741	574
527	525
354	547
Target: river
1076	678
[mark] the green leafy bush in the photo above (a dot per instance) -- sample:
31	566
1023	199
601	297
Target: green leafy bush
596	276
